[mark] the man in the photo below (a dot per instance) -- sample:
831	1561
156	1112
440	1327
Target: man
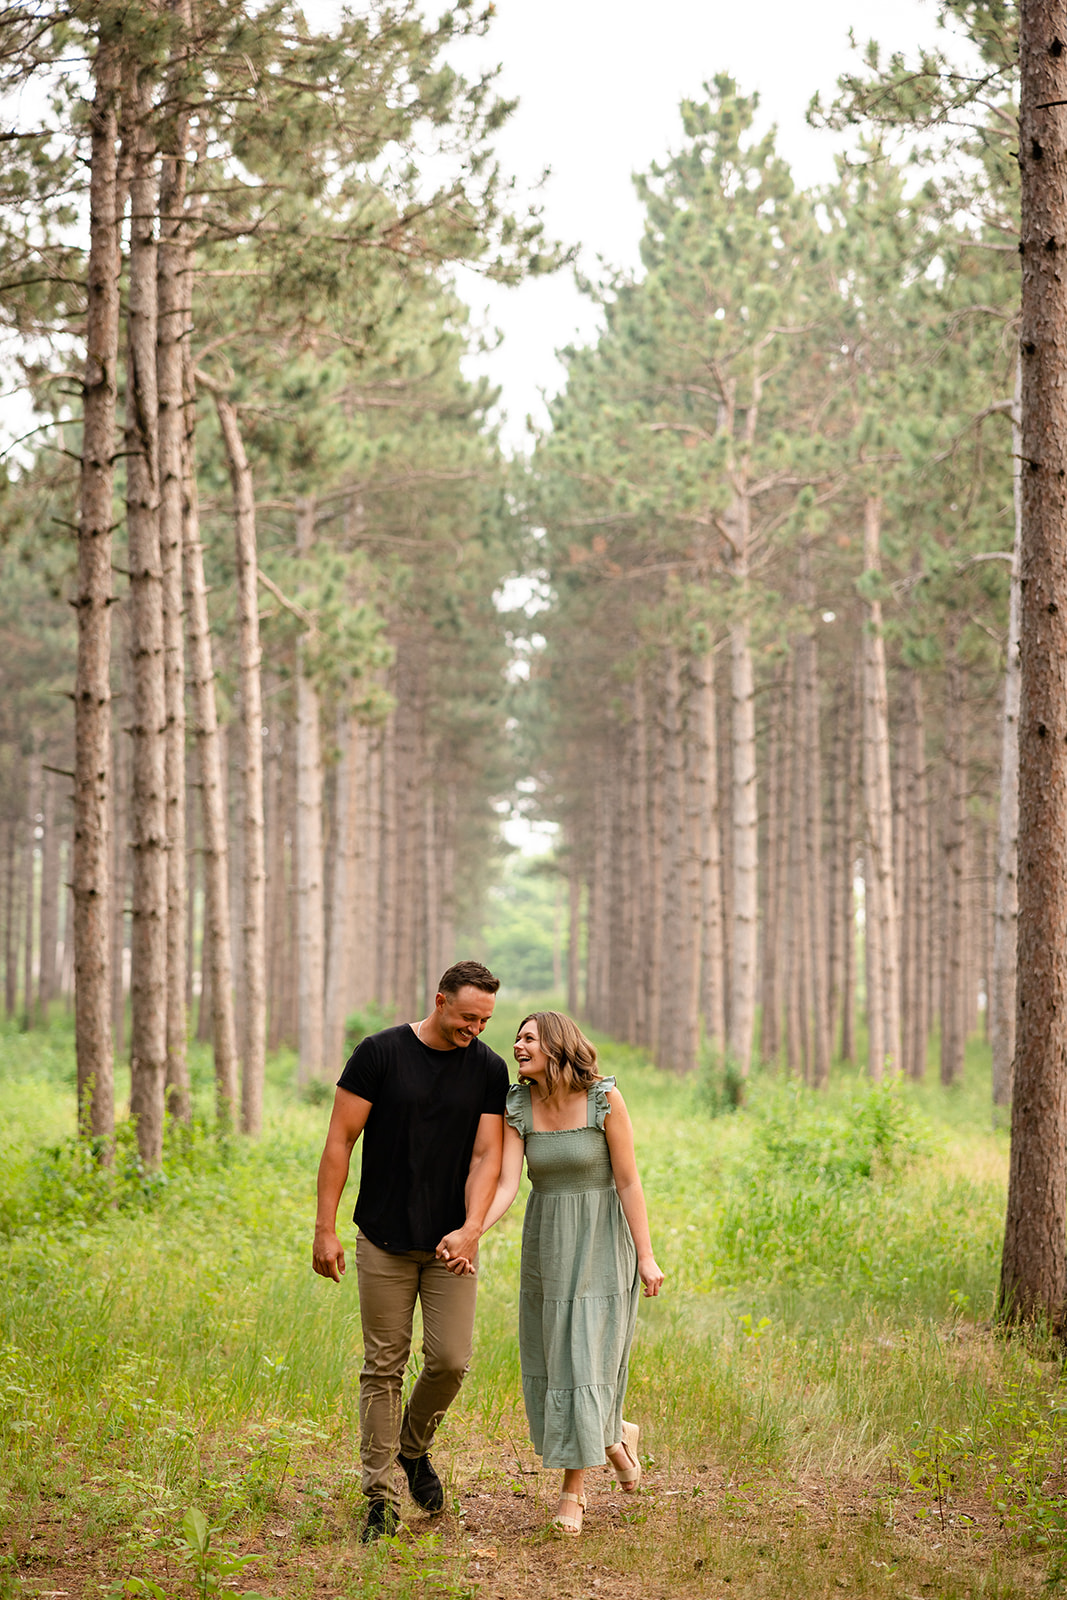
429	1097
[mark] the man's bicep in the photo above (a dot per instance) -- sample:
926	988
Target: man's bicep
350	1113
489	1139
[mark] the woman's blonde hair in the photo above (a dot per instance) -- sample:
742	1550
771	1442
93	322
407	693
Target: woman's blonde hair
571	1057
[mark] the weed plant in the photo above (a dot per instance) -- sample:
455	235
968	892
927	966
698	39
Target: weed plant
831	1267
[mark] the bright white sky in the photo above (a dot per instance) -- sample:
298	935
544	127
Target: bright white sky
599	83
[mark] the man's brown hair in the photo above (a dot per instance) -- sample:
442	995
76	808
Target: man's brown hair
466	974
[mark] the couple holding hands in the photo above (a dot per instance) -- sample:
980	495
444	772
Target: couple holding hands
444	1139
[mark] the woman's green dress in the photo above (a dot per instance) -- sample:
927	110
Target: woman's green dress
579	1287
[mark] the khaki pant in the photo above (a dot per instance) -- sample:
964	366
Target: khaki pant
388	1288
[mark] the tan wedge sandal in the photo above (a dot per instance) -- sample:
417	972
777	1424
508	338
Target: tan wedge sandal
629	1477
570	1525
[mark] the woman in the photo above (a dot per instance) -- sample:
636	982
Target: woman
585	1243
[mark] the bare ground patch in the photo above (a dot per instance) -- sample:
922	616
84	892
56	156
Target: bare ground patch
696	1531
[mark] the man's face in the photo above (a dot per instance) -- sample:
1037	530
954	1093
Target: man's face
462	1016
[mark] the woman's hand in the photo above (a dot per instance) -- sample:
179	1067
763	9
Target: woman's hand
651	1276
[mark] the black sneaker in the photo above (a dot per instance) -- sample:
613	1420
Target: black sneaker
426	1488
383	1520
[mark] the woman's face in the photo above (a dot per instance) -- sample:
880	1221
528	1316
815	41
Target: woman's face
531	1059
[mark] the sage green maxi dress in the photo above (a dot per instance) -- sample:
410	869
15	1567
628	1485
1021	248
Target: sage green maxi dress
578	1289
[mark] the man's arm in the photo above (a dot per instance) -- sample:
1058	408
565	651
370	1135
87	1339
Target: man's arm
349	1118
458	1248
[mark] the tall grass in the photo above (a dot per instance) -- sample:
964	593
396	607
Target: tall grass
831	1266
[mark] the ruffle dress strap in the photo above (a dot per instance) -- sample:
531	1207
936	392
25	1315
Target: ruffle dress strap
599	1104
517	1109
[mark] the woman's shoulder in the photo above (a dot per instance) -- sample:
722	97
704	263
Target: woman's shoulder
600	1092
517	1107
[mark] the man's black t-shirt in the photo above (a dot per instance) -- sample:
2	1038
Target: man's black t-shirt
419	1136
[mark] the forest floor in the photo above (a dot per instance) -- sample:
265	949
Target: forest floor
691	1532
824	1407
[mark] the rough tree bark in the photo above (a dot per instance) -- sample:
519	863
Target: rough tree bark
677	1003
773	965
253	942
345	906
174	287
915	938
90	865
1034	1263
310	915
745	851
1006	893
120	878
49	938
148	817
706	783
954	971
216	954
883	963
811	757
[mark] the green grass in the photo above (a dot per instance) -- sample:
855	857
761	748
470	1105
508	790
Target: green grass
831	1267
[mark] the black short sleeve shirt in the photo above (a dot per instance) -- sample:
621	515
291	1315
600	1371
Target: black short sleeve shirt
419	1137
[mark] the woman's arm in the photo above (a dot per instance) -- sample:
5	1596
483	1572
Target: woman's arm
510	1173
619	1132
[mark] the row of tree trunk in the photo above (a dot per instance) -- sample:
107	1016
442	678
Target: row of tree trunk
876	863
36	911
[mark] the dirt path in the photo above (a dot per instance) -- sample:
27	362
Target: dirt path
689	1533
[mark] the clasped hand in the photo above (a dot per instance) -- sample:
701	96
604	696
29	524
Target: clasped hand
457	1250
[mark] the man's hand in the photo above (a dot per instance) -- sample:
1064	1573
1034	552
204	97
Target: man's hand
327	1256
457	1250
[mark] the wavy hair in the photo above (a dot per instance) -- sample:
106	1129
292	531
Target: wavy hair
571	1057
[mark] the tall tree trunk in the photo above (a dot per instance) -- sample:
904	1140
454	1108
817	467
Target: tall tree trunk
657	900
346	907
670	1046
953	1004
30	894
1034	1263
90	872
795	908
120	879
253	941
11	943
388	891
66	970
276	891
311	914
705	779
216	952
1006	893
916	897
574	925
148	815
367	863
432	965
774	881
726	835
447	942
811	771
745	851
174	288
835	865
884	1031
642	932
853	785
49	939
409	861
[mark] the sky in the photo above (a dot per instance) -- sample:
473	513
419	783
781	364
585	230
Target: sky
599	83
